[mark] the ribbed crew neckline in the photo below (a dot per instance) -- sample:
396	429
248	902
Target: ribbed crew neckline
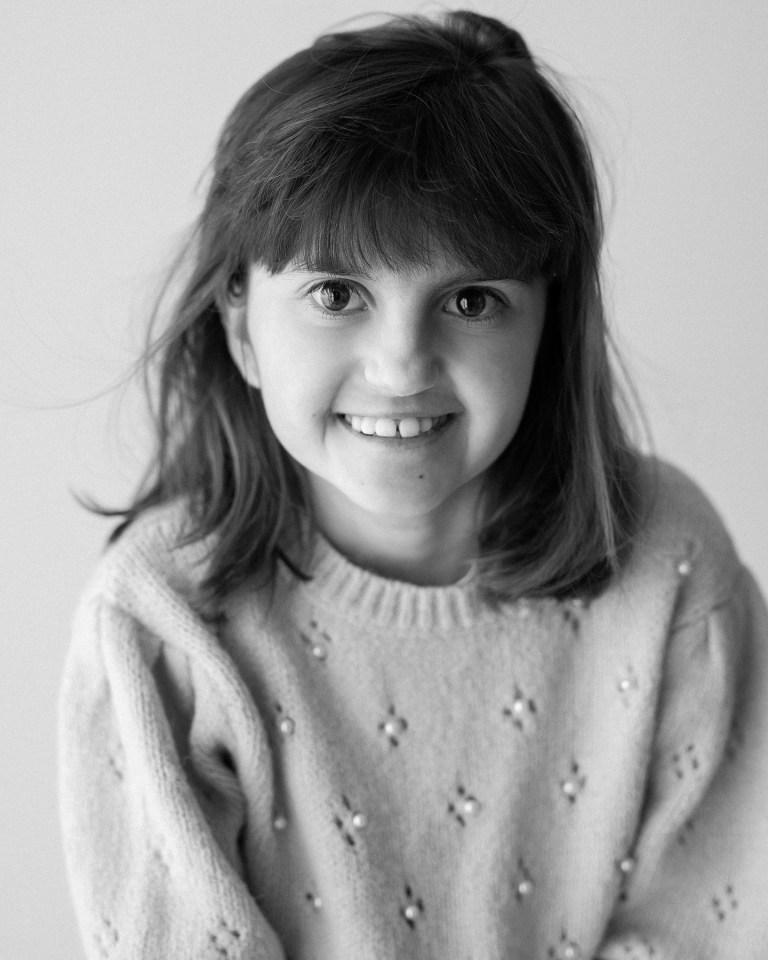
372	598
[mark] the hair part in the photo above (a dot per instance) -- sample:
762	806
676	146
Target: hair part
382	146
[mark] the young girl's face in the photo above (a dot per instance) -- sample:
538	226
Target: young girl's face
396	390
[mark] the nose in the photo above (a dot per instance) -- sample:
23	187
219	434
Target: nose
401	360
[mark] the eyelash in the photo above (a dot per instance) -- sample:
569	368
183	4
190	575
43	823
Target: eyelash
331	281
351	285
488	318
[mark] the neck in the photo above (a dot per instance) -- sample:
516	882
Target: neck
430	550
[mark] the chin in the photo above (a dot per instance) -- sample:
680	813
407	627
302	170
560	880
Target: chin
404	504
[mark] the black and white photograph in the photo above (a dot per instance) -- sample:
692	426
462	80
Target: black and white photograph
384	532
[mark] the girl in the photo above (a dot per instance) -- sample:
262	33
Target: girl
403	650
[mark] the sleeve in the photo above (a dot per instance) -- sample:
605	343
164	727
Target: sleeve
698	879
152	811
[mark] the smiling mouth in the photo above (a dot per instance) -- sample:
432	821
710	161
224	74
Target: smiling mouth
404	428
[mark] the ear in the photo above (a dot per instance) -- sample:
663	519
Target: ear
234	317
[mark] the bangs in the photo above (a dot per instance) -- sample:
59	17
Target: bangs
395	181
397	226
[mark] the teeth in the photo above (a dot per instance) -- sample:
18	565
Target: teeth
385	427
410	427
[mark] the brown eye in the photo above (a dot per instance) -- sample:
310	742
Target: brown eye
471	301
334	295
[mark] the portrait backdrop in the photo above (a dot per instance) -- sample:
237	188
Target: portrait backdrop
110	113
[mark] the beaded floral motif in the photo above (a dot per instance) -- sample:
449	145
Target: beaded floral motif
523	882
625	868
521	712
684	561
224	940
573	785
637	948
317	641
463	806
627	684
349	821
686	761
106	937
565	949
393	726
725	903
571	617
413	909
314	901
280	822
286	725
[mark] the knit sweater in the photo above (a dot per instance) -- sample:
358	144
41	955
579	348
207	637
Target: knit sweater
352	768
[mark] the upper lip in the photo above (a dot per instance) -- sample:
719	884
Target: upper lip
408	414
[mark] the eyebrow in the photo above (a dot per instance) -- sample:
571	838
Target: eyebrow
469	276
465	276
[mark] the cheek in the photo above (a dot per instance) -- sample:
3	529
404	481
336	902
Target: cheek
502	380
298	393
295	364
501	388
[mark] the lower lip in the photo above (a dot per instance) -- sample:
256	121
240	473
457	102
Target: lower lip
402	443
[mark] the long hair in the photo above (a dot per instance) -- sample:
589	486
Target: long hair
379	146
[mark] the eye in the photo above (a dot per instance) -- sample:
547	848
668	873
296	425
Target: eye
334	296
475	303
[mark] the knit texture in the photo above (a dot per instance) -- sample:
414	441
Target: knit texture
353	768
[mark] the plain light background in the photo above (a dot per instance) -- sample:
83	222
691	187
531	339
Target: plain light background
109	115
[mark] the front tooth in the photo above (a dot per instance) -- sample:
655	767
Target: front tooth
425	423
368	425
409	427
386	428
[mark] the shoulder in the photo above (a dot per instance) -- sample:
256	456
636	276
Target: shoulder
675	509
144	604
682	538
152	557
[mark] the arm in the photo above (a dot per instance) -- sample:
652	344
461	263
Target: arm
699	888
151	807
